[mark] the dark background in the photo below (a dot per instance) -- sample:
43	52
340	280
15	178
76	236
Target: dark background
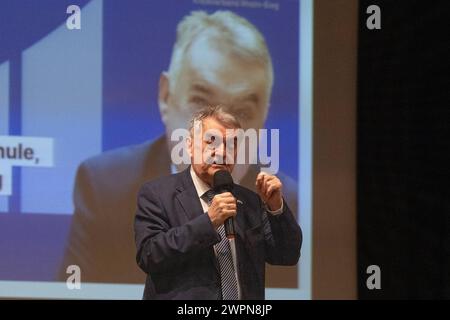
402	150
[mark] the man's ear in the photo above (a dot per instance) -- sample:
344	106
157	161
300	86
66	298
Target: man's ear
163	95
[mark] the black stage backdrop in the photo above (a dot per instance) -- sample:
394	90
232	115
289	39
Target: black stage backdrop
403	150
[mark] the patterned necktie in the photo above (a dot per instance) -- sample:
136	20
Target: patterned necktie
225	259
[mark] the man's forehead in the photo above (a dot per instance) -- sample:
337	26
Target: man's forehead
211	125
209	65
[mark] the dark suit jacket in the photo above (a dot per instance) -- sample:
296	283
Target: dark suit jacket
101	239
175	238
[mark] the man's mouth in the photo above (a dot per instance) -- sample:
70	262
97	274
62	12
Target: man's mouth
220	165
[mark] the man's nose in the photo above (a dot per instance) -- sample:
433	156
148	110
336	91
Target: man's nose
220	152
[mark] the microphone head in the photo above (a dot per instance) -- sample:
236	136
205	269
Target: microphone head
223	180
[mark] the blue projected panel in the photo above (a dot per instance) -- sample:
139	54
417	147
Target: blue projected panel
62	98
92	99
4	116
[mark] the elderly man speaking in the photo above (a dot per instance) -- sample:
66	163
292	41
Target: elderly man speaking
182	244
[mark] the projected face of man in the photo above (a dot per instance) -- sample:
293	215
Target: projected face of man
213	74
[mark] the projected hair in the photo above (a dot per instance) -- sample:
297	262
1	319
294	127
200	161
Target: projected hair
226	28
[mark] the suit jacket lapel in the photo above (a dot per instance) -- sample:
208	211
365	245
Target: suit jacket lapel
240	245
188	197
191	205
239	222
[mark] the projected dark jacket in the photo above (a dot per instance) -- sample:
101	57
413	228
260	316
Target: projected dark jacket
101	238
175	238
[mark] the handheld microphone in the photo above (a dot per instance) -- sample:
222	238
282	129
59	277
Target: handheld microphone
223	182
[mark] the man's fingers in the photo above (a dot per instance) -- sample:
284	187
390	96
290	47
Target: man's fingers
274	185
260	178
224	195
267	184
268	181
259	186
229	206
269	191
229	213
228	200
260	181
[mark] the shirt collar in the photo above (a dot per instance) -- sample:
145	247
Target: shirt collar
200	186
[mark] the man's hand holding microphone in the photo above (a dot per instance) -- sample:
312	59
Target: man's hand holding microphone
223	206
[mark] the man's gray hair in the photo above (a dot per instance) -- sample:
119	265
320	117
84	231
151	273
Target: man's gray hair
227	28
218	113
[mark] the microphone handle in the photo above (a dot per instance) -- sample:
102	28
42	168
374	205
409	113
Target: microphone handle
229	222
229	228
